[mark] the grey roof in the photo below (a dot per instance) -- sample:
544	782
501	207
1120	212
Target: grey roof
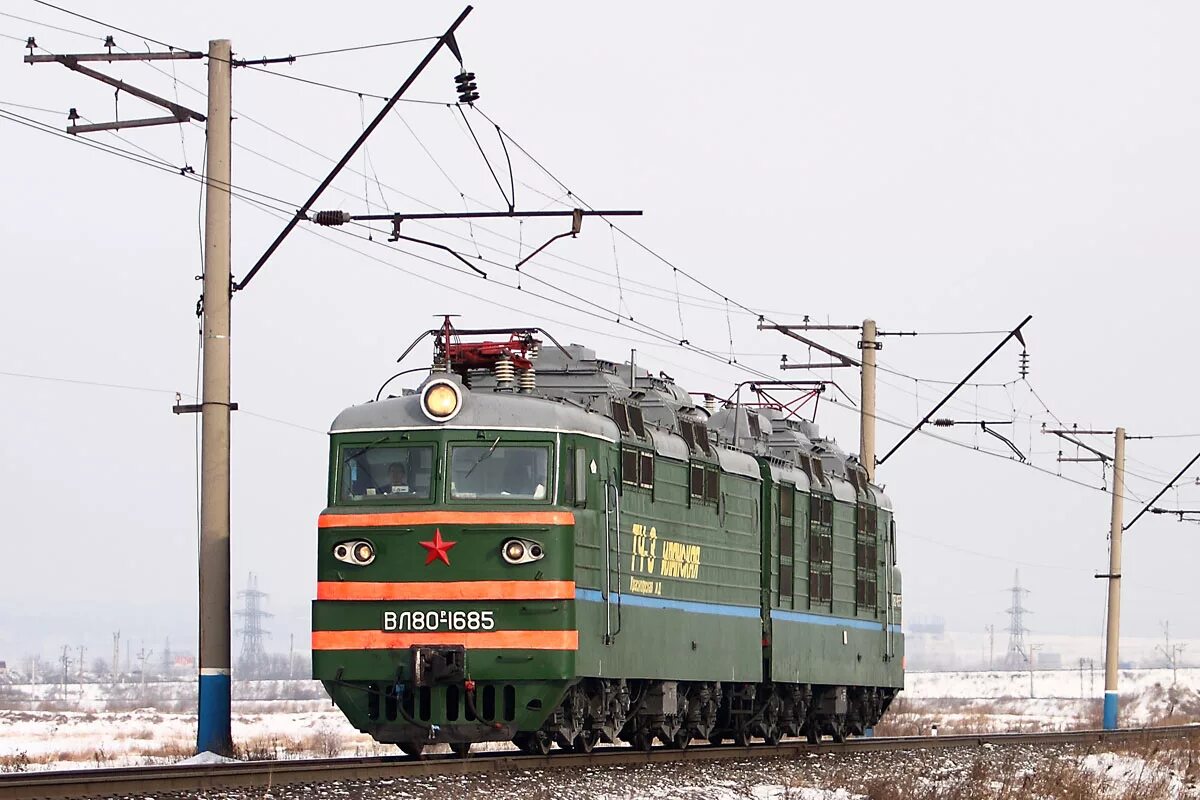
480	409
575	391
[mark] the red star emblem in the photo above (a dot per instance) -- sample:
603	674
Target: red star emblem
438	549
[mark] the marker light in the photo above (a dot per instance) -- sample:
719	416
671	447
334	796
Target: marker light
441	400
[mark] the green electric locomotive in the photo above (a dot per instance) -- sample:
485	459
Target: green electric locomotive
580	553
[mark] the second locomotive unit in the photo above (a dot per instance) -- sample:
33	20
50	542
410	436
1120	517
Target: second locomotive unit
582	553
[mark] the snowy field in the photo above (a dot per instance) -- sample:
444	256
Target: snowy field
49	727
975	702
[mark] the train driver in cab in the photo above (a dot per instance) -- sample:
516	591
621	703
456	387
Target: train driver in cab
520	479
398	476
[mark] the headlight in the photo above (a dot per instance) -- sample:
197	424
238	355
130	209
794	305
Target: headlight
514	551
521	551
441	400
359	553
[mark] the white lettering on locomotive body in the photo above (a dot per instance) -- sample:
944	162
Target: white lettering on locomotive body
441	620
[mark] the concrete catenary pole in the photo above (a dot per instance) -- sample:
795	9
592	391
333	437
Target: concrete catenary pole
866	448
1113	639
213	729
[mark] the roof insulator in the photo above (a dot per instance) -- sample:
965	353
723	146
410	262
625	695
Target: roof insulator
331	217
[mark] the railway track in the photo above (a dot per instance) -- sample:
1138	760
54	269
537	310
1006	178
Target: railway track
56	785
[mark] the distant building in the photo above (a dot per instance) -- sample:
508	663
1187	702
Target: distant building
3	667
931	626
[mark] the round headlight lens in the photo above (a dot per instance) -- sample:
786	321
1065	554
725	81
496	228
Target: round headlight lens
441	401
514	550
364	553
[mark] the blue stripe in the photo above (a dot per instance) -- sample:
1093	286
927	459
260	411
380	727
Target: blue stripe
212	724
1110	710
593	596
641	601
821	619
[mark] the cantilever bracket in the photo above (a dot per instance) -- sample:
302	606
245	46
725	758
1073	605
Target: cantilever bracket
576	226
178	113
397	236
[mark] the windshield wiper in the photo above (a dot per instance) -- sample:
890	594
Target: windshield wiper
363	449
482	458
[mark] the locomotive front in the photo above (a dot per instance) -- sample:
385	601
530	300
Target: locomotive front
445	599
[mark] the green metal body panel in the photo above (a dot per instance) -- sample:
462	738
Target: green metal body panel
834	642
682	588
671	617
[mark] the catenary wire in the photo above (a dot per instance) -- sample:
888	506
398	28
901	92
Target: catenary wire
107	25
665	338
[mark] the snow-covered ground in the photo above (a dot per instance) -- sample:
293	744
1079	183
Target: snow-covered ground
970	702
47	726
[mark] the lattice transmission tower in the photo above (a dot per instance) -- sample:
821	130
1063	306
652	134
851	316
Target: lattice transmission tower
252	661
1017	656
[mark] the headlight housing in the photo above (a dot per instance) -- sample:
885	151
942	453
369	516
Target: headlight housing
358	552
521	551
441	400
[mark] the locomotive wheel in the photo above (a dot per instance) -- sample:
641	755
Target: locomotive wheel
536	743
773	736
837	729
460	749
810	733
741	738
585	742
716	739
680	740
641	741
412	748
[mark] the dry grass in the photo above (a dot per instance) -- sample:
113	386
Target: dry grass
1143	770
15	762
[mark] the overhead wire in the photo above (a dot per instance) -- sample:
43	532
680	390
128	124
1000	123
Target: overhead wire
504	135
365	47
48	25
107	24
662	337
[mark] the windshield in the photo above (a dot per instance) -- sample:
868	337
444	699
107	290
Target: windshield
491	470
376	471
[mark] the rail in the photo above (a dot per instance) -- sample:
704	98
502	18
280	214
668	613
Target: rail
58	785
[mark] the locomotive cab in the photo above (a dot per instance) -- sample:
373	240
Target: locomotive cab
445	598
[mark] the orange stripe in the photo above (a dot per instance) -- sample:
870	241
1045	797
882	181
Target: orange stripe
491	640
446	518
448	590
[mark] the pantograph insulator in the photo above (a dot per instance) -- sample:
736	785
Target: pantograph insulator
504	372
72	115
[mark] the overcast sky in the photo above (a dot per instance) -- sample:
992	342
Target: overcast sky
937	166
